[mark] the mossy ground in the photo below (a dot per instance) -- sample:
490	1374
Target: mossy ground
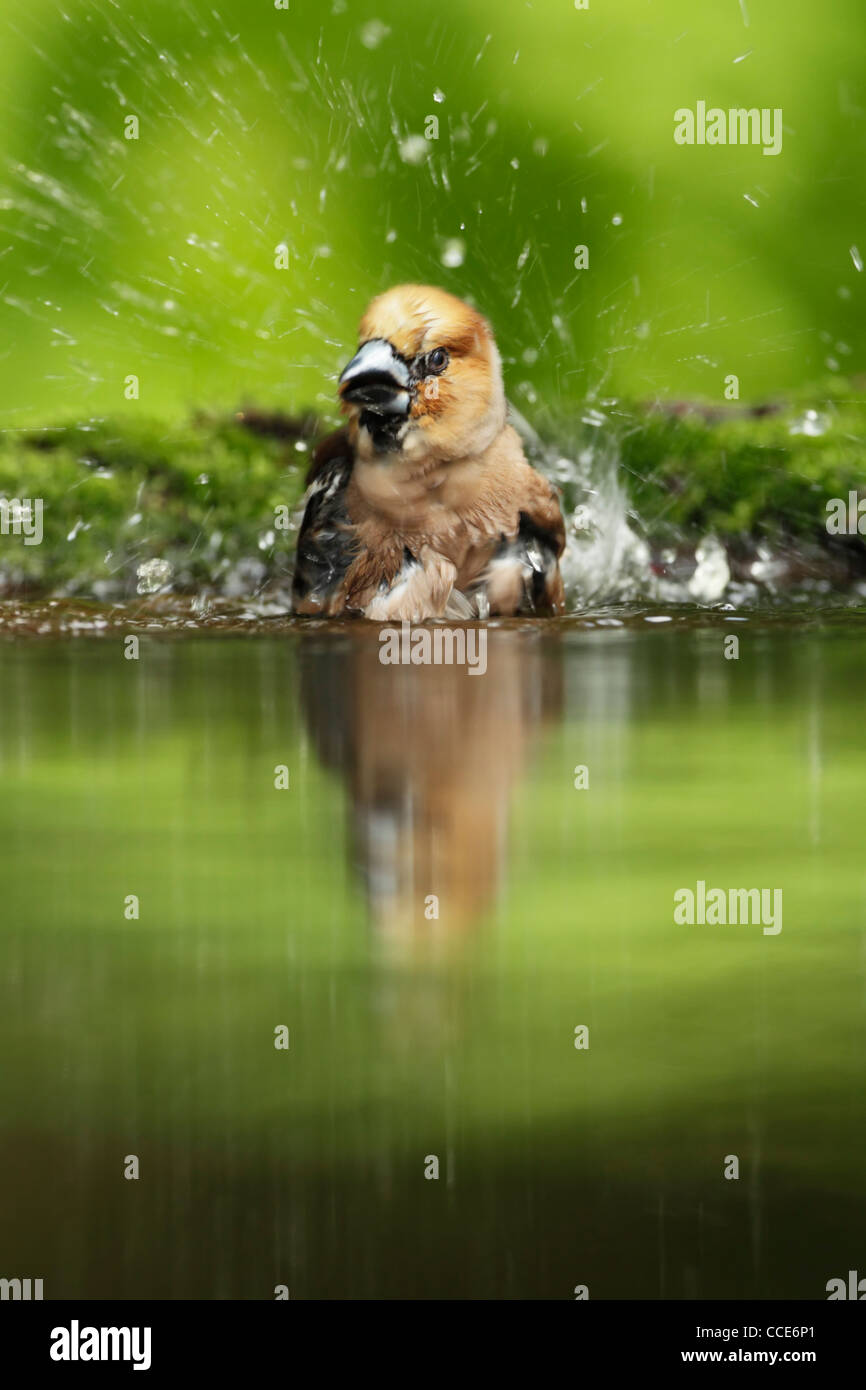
205	497
747	471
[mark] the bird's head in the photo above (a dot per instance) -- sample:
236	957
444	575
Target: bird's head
426	381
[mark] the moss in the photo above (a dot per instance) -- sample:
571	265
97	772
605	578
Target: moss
203	497
748	471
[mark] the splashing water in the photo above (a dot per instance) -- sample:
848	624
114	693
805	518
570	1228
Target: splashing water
153	575
605	557
712	573
151	194
812	423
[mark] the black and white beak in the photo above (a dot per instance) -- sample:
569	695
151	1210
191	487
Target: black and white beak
377	379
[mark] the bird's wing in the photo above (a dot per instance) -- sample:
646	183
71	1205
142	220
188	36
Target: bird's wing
522	574
327	544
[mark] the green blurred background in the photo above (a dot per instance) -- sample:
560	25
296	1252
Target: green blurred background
261	127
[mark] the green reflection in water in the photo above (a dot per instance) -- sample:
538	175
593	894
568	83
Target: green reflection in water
412	1037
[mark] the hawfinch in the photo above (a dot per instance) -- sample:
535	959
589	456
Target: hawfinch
429	764
423	505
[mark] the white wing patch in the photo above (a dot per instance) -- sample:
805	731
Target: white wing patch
420	590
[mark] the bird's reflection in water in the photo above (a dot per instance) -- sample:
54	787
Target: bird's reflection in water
431	757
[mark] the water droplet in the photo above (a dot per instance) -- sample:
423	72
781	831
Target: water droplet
152	575
856	258
414	149
767	568
811	423
373	33
438	95
712	574
453	253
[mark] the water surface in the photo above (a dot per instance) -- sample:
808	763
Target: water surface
413	1036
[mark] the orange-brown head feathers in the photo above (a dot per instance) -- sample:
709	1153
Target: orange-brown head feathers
426	381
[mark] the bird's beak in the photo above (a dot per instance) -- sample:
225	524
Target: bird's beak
377	379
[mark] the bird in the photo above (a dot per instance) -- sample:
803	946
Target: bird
423	505
430	763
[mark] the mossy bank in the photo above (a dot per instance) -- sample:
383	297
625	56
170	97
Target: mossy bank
216	499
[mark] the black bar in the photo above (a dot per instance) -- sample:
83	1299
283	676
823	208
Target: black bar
220	1339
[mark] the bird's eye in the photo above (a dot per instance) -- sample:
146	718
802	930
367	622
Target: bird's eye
437	361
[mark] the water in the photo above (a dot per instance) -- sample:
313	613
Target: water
411	1036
